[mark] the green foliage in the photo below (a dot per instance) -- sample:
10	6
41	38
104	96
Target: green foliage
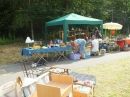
16	14
5	41
10	36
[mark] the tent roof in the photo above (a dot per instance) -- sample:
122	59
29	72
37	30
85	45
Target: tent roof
74	19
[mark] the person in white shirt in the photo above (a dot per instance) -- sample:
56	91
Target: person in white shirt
94	46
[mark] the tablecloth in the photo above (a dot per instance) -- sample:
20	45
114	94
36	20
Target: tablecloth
30	51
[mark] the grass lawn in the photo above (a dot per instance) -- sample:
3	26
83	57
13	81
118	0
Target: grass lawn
112	79
10	54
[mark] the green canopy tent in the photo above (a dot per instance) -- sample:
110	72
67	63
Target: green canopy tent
73	19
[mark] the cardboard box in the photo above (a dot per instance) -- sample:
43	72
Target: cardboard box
34	94
59	86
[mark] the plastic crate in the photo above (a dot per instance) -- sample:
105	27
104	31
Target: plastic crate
74	56
87	55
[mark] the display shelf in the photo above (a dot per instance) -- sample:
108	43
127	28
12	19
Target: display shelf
77	34
61	34
72	35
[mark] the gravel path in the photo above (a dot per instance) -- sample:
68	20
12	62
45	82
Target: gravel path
12	71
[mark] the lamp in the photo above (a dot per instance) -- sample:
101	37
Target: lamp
72	28
112	32
28	40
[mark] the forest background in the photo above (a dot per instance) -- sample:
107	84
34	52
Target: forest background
22	18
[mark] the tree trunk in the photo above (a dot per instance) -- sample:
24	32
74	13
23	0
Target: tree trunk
42	30
32	30
112	16
128	30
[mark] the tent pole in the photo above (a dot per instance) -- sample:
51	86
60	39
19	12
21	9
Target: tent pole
65	27
110	34
101	27
46	34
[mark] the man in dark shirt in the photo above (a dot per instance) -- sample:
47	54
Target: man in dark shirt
96	33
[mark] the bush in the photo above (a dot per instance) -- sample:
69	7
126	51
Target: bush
6	41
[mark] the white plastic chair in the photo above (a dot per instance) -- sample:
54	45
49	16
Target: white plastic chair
43	79
29	86
10	89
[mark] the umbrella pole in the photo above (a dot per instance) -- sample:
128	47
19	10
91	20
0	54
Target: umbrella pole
110	34
105	32
115	35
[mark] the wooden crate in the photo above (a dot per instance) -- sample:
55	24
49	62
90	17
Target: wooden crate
81	78
78	93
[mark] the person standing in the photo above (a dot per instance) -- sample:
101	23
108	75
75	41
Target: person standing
90	33
97	33
94	46
79	45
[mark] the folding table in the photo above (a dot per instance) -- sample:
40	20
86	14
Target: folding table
57	50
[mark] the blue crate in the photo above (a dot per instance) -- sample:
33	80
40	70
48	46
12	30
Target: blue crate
87	55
